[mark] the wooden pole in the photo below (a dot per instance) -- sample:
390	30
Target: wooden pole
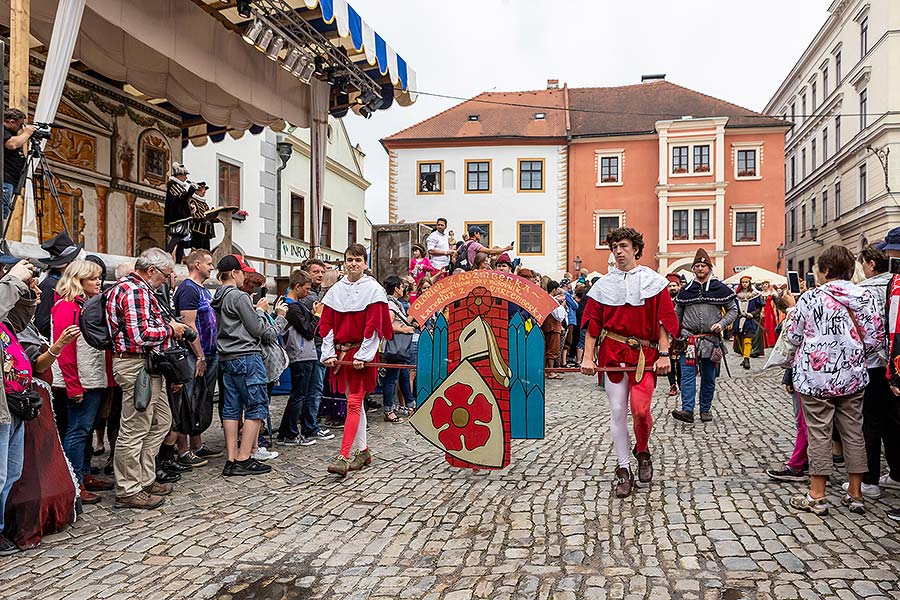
19	48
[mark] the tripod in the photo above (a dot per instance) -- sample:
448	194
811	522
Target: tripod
38	170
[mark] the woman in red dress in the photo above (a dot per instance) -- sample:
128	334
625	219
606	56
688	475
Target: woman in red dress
769	319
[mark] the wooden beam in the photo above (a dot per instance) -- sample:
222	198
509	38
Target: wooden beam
19	48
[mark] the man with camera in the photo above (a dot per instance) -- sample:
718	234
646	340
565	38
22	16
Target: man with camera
137	324
15	137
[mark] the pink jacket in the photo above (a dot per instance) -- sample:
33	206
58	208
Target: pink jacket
82	366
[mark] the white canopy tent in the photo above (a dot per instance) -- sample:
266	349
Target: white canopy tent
757	275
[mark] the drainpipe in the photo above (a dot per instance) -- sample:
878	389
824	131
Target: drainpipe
285	151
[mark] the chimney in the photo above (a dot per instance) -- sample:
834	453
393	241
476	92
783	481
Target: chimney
553	84
653	77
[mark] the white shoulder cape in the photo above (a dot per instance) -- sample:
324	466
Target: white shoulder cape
628	287
347	296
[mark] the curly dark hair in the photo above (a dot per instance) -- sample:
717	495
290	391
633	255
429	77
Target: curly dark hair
627	233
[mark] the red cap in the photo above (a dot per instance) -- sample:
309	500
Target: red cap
674	277
233	262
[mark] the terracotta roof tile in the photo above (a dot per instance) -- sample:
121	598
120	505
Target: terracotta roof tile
593	111
636	109
500	114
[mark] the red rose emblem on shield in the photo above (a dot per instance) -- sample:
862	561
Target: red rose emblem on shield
458	409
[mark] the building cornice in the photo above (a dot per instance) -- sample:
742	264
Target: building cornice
452	142
332	165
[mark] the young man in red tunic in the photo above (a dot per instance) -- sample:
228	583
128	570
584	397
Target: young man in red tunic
355	318
631	312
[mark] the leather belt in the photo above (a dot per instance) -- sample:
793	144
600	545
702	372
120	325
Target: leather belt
634	343
342	350
128	355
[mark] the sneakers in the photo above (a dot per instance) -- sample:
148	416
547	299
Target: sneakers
894	514
264	454
205	451
95	484
191	459
339	466
887	482
294	441
868	490
166	477
706	417
240	468
683	415
323	435
787	474
362	458
817	506
140	500
856	505
7	547
159	489
228	469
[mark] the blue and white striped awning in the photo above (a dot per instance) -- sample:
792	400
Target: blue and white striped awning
362	43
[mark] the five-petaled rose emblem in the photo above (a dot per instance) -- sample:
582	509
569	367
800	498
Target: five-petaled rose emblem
454	409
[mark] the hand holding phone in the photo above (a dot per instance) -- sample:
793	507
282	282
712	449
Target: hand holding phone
793	278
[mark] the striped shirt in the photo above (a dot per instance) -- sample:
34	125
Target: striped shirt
135	317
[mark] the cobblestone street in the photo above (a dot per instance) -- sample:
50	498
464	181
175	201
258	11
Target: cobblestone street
711	525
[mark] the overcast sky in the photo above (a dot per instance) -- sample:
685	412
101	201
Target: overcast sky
736	51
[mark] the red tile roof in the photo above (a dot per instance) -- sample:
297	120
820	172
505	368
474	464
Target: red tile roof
592	111
637	108
500	115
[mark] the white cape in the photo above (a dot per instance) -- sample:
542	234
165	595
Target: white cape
628	287
346	296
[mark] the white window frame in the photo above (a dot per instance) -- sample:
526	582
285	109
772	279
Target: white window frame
758	147
747	208
619	214
692	206
611	153
690	146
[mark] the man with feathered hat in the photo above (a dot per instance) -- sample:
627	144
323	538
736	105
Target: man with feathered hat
705	307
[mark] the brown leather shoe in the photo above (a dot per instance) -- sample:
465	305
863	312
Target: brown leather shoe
95	484
88	497
140	500
159	489
624	482
645	467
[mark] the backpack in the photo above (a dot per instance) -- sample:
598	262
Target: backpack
94	324
462	258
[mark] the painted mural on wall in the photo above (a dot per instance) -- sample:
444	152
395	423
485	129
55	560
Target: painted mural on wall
480	374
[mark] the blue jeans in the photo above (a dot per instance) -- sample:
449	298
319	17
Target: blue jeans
689	384
12	455
245	388
309	424
389	386
301	380
81	418
8	189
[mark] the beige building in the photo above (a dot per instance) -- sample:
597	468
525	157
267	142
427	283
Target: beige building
842	156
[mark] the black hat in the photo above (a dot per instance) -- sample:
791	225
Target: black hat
99	262
62	250
473	229
234	262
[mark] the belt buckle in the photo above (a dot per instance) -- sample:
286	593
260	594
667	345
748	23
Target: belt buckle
632	342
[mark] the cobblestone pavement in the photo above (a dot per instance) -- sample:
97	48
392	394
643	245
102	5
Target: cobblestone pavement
709	526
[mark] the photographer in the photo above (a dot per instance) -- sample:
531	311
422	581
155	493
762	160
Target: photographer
136	320
15	137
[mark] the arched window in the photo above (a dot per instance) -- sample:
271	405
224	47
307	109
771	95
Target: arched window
508	178
450	180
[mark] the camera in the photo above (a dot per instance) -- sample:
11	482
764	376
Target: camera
41	131
189	334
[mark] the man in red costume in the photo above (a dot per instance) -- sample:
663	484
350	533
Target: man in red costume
355	318
631	312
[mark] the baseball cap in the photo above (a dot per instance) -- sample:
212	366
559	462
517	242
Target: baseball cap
473	229
234	262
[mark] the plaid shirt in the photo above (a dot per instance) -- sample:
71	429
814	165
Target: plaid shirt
135	317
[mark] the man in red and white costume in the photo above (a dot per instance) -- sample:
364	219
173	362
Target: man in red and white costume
355	318
631	312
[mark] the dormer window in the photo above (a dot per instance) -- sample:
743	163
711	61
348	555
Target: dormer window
540	116
473	117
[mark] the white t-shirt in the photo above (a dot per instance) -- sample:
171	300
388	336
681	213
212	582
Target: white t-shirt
438	241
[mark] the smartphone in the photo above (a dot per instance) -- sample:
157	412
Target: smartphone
793	278
894	265
260	294
810	281
513	243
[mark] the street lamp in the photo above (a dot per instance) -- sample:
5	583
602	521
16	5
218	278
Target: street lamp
577	264
813	231
285	151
